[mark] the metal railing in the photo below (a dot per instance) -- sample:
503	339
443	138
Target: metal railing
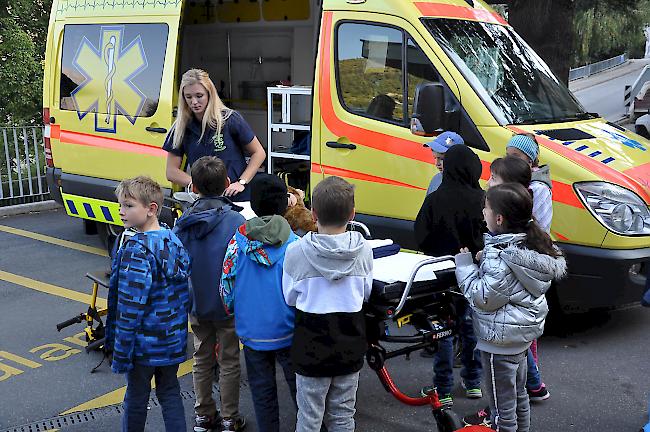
22	165
594	68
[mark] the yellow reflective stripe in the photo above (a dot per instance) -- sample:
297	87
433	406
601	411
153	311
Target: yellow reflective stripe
54	240
50	289
117	396
91	208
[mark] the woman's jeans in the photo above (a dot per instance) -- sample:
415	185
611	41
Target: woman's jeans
168	392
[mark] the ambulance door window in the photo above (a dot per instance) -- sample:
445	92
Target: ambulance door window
418	70
370	73
112	69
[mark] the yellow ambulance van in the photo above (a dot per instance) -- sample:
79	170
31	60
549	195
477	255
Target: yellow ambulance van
382	75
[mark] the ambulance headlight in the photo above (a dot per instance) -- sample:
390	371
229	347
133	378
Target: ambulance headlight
620	210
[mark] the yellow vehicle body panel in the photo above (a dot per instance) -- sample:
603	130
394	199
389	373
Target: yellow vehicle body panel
88	140
390	168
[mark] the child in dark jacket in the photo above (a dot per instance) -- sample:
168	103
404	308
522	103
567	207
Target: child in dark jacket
251	289
327	276
148	302
205	229
451	218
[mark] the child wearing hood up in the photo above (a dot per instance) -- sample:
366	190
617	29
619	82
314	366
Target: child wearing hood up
506	293
251	289
327	277
451	218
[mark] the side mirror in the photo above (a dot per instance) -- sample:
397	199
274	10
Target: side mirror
430	114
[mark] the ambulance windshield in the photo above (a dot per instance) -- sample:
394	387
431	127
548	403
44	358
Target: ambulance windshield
512	80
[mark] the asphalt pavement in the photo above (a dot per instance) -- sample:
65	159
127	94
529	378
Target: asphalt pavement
597	369
603	93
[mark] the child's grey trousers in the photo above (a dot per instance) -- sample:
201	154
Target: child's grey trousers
504	378
326	400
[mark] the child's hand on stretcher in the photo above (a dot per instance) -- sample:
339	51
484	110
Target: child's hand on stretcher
479	254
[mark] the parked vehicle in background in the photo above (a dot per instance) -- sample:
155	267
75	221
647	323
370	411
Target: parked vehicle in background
642	126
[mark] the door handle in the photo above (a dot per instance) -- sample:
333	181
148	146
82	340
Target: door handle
338	145
156	129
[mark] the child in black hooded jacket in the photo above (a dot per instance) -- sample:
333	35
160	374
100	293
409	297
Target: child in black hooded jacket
452	218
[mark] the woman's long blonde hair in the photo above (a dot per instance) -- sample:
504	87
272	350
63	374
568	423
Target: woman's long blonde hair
216	113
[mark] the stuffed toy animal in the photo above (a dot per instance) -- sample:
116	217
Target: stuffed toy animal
299	216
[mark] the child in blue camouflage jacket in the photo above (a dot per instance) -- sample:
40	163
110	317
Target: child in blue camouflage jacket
148	303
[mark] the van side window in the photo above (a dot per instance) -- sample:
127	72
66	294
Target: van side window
418	70
370	71
112	69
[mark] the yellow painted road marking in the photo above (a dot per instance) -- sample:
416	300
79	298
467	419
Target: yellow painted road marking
117	396
54	240
50	289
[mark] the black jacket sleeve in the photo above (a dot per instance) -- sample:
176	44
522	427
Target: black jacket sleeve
423	225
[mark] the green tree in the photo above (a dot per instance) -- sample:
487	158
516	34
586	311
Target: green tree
607	28
568	33
23	34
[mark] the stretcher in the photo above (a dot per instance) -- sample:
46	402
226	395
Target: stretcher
417	291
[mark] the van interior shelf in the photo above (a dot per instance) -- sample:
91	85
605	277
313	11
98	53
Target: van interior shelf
289	126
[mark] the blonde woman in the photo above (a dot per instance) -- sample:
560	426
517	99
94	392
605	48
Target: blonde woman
206	127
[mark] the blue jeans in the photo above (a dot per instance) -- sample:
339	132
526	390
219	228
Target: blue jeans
443	362
168	392
260	366
534	380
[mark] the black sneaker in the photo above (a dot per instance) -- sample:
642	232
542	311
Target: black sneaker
233	424
480	418
207	423
538	395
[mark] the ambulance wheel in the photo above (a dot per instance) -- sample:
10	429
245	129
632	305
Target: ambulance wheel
448	421
108	234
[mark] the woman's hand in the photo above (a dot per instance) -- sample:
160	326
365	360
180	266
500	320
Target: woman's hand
464	250
233	189
479	255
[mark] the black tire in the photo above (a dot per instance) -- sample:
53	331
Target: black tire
107	235
448	421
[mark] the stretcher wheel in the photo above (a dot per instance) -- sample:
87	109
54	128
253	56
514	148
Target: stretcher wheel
448	421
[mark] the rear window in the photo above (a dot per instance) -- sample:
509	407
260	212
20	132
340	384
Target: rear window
112	70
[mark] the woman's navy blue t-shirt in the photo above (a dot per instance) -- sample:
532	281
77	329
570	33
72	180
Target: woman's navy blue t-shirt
227	146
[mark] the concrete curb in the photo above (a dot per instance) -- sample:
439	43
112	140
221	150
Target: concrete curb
19	209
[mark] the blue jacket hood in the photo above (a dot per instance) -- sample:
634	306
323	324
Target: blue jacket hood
205	230
201	218
176	266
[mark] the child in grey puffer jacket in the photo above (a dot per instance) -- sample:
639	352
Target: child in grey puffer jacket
506	293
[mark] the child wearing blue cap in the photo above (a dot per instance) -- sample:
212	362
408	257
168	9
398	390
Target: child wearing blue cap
439	147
